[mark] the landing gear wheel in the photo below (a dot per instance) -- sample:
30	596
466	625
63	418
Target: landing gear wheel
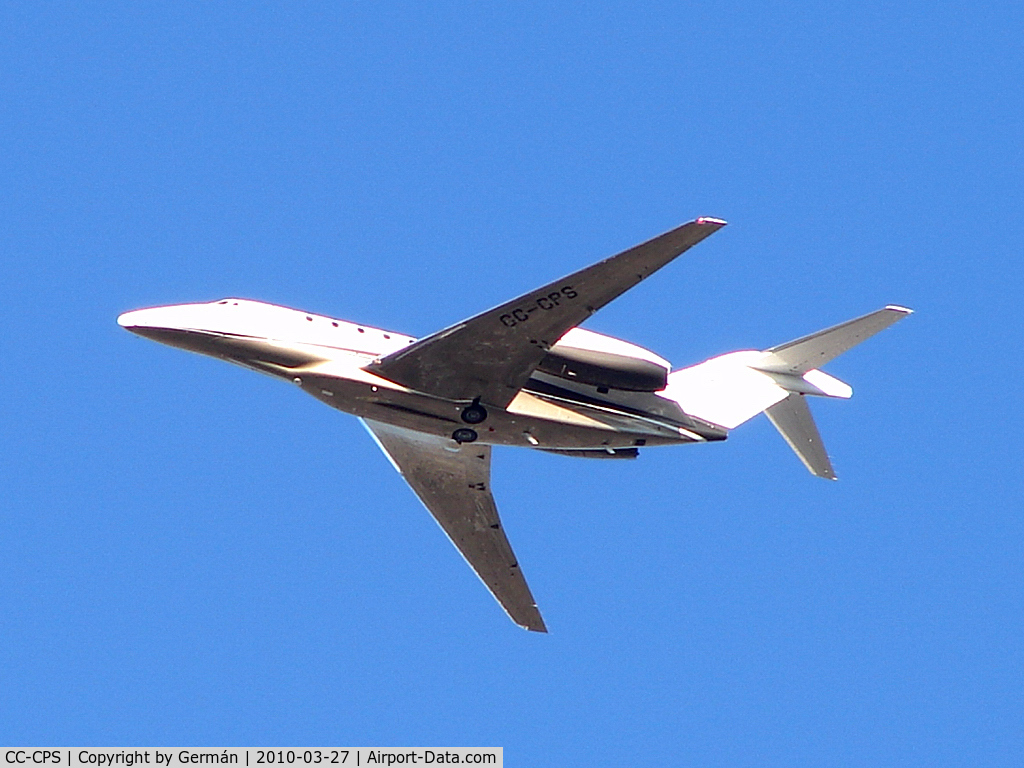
475	413
464	435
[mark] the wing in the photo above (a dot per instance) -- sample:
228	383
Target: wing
453	482
492	355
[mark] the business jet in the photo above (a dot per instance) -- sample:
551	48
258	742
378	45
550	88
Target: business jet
522	374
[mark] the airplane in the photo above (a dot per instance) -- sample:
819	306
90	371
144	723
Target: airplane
522	374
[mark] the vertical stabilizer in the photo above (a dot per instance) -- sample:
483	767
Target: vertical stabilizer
792	417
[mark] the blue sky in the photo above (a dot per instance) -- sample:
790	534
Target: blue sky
196	555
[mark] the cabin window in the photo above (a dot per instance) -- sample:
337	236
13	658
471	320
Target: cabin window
387	336
361	330
334	324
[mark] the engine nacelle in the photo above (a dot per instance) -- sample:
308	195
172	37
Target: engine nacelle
602	361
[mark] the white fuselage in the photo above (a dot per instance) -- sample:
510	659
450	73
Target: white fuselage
326	357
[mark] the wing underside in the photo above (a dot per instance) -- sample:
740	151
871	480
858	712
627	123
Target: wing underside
491	355
453	482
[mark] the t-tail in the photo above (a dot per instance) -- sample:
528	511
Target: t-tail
733	388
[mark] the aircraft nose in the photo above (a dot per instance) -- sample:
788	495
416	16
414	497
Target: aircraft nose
141	318
128	319
154	317
173	325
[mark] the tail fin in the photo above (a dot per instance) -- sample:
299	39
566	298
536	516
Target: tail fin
731	389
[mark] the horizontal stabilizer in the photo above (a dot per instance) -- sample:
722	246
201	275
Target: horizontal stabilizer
792	417
803	354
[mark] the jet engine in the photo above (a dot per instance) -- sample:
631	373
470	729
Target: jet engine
601	361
